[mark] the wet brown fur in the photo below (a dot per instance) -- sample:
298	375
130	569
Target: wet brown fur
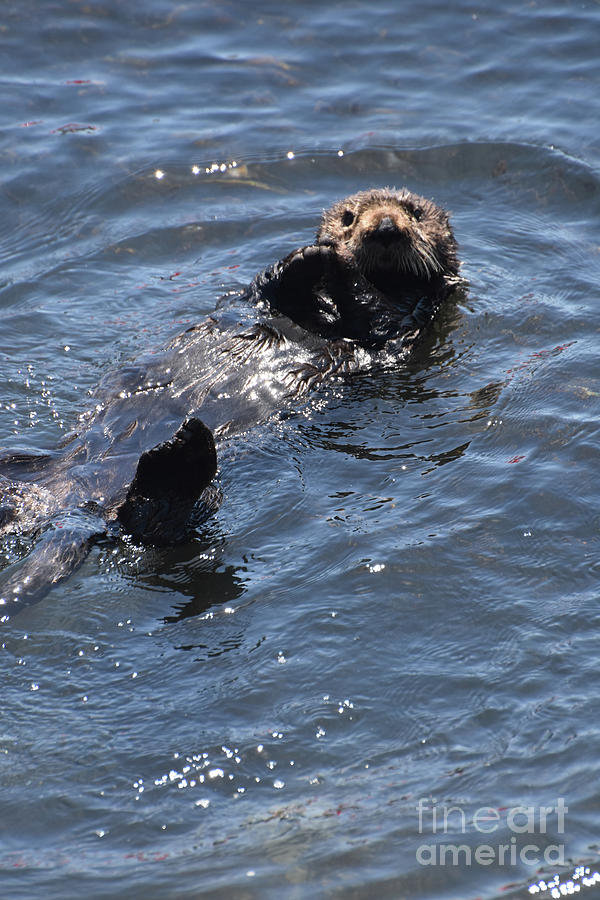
388	233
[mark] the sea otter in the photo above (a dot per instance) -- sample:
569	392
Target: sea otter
382	264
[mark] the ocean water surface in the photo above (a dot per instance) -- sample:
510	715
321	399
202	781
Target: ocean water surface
374	672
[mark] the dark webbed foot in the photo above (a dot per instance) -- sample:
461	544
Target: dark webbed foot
169	480
184	464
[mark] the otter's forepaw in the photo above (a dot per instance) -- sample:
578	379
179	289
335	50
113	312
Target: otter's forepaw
309	263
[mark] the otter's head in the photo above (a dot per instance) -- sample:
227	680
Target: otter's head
390	236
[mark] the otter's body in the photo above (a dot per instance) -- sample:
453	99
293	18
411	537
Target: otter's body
383	263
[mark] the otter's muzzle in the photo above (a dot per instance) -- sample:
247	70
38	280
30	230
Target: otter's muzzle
387	232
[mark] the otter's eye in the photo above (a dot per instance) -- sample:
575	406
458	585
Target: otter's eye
417	213
347	218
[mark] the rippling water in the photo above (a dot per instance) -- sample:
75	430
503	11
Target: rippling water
390	624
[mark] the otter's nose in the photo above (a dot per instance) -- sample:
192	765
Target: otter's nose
386	232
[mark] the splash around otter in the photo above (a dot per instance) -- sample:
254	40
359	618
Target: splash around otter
383	263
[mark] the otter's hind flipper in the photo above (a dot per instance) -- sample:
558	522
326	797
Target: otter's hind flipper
58	552
168	482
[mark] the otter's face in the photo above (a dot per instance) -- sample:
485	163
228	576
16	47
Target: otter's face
388	232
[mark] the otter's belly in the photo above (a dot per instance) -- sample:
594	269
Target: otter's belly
231	377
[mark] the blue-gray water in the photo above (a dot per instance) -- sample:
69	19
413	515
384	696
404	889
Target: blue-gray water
396	607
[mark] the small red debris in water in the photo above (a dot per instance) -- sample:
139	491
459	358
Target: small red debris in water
516	459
